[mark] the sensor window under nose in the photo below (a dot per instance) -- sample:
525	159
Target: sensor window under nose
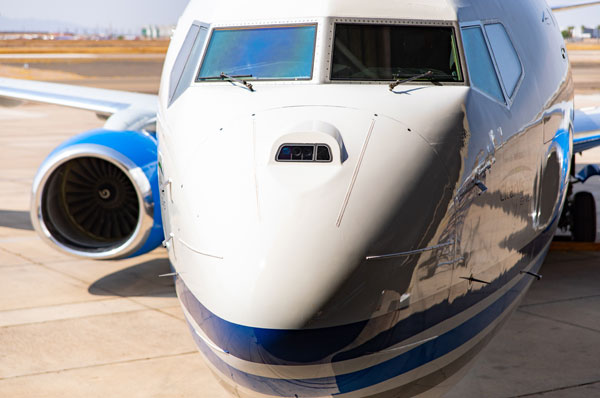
303	153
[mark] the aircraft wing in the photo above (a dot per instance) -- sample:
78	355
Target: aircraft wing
573	6
130	111
587	129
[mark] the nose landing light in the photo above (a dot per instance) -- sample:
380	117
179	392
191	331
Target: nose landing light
304	153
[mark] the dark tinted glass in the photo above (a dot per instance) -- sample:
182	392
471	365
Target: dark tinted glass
323	154
389	52
304	153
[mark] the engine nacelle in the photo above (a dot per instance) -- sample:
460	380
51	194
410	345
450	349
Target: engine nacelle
96	195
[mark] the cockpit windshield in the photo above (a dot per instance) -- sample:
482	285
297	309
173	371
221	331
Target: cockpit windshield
269	53
376	52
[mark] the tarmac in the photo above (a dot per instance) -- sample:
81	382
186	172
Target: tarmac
73	328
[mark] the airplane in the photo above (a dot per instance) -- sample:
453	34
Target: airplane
353	196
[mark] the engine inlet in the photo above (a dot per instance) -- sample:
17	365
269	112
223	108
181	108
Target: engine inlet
91	202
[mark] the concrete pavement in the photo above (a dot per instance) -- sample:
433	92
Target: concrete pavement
72	328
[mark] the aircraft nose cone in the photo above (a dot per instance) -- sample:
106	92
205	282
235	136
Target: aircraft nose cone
293	254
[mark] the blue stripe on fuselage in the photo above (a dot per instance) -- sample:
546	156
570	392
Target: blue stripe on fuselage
326	345
399	365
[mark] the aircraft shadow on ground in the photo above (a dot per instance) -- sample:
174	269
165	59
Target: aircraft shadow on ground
15	219
140	280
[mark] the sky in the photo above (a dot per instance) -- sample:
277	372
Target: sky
130	15
122	15
588	16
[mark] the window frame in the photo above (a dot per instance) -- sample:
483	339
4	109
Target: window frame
508	100
213	28
398	22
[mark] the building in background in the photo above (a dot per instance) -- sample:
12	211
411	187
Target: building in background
157	31
576	33
594	33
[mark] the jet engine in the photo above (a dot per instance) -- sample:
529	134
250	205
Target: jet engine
96	195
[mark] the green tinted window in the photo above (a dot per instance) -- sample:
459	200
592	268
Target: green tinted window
275	52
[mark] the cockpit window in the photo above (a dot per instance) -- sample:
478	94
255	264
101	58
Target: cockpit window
269	53
184	68
481	67
505	55
389	52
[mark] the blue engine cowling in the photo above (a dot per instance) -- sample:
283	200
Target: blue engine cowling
96	195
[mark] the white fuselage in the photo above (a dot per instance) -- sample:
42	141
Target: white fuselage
356	276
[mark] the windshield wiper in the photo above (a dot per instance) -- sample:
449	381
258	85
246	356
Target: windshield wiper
231	78
410	79
234	78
